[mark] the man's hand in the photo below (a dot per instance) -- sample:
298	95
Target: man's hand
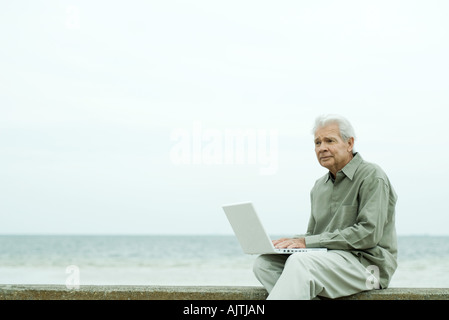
289	243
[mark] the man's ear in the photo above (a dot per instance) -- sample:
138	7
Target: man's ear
350	144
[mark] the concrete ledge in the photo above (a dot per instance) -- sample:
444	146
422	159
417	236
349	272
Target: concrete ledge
95	292
402	294
122	292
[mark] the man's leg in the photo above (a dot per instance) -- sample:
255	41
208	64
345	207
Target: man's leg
268	268
330	274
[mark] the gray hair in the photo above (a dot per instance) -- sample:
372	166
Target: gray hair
346	129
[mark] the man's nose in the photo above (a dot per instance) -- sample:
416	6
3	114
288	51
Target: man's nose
322	147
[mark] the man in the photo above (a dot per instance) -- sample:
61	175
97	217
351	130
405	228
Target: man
353	216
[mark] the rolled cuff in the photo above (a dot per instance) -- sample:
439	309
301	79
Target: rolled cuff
313	241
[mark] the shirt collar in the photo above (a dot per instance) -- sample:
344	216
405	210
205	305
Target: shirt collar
349	169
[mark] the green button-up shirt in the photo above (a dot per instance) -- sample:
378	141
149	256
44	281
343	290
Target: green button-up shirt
356	212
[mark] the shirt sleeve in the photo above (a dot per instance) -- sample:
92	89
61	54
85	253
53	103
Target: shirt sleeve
367	230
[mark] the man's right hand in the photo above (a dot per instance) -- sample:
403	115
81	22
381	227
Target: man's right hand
289	243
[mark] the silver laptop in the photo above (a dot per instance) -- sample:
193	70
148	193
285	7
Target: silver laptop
251	233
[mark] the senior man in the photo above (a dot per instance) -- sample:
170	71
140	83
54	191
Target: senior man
352	215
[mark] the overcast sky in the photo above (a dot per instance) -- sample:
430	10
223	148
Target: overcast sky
116	116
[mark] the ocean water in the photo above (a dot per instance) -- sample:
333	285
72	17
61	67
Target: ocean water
178	260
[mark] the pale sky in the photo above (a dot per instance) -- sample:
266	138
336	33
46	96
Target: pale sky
100	100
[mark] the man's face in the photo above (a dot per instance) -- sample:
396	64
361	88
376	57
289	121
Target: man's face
331	150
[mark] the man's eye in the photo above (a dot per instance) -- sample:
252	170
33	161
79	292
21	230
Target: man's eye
317	143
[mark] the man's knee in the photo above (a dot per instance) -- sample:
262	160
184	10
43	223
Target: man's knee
261	263
268	268
268	263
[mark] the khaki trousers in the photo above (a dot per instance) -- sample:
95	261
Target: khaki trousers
305	276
